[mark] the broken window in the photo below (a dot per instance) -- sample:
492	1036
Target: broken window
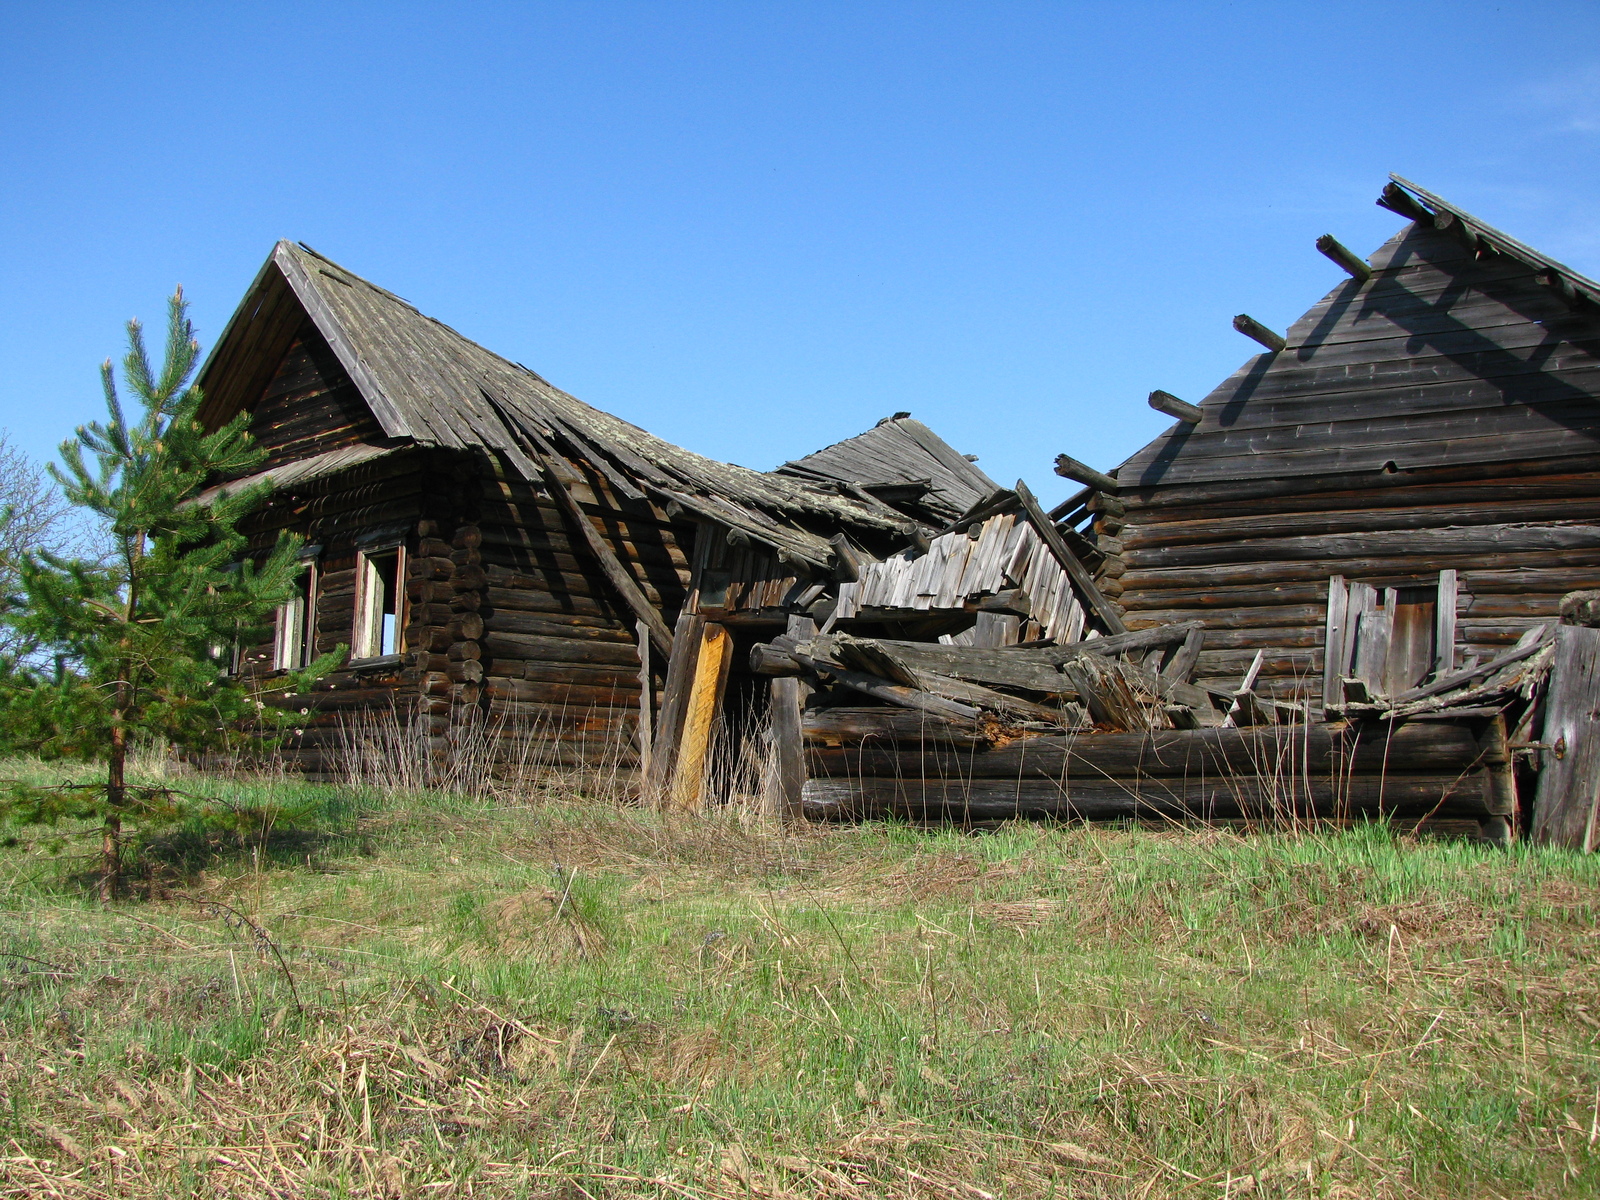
1385	641
379	608
295	642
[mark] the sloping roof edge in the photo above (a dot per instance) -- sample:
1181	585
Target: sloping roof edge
1501	243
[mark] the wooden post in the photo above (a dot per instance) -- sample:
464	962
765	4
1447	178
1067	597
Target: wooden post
1568	801
1444	625
701	709
785	776
1335	645
674	701
646	704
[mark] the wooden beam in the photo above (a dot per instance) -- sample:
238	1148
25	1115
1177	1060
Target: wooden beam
1397	200
1075	501
1070	468
1256	331
1344	258
687	793
610	564
1166	402
1081	579
674	701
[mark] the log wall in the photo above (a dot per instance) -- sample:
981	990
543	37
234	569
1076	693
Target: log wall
1443	414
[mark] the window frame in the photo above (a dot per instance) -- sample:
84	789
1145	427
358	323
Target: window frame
366	632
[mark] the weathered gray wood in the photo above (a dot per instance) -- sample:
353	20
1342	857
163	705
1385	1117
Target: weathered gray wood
1181	665
786	768
1432	747
1530	644
1070	468
1182	410
888	725
1336	656
1257	332
1568	800
1345	258
646	699
1108	613
674	702
881	689
1445	797
1444	629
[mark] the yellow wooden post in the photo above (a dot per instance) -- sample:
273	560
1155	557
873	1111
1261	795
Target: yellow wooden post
700	719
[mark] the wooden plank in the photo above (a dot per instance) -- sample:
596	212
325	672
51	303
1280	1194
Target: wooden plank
1045	528
1336	658
1444	630
701	711
646	700
1568	800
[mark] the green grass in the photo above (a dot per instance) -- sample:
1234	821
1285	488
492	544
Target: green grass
566	998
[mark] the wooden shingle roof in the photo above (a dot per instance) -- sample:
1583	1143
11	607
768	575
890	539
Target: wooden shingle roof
429	385
900	452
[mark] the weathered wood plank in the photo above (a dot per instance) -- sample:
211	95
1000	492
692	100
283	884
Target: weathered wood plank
1568	801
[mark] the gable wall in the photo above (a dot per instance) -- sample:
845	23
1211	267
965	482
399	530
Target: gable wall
1442	415
310	405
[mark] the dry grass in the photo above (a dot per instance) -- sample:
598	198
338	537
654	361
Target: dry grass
574	999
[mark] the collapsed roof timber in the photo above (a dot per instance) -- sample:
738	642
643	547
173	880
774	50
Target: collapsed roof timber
1334	586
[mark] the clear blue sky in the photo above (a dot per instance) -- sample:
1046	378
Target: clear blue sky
756	228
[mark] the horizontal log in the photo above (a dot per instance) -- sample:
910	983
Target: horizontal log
1489	510
1399	567
528	597
599	675
1286	752
578	628
470	671
499	688
1446	797
466	627
465	651
842	726
530	647
1440	543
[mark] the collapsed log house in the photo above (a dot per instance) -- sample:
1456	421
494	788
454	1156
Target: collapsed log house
502	558
1332	587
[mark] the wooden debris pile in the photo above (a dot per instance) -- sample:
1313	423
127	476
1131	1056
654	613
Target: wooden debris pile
1135	681
1496	682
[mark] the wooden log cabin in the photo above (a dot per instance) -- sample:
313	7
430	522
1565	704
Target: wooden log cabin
494	552
1422	446
1368	530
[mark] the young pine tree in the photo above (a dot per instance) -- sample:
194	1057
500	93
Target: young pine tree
147	630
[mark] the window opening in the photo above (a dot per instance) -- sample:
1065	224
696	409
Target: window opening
1389	639
378	606
295	643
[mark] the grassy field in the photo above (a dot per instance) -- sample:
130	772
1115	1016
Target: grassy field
425	995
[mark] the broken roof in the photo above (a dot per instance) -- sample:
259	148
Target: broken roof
429	385
905	461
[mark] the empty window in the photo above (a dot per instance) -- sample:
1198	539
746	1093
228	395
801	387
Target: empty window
295	643
379	609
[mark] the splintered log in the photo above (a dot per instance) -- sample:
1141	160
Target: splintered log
1182	410
1343	257
1257	332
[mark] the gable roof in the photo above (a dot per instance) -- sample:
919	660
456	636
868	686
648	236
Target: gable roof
427	384
900	452
1464	347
